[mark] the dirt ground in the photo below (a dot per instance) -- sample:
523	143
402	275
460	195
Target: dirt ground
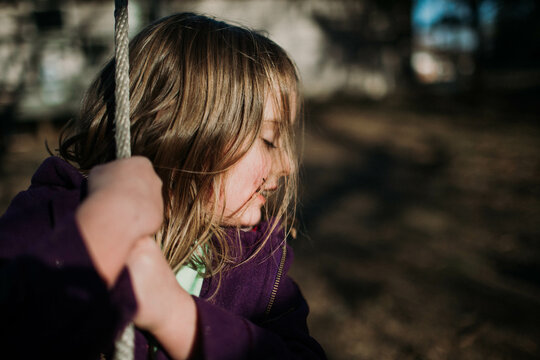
420	228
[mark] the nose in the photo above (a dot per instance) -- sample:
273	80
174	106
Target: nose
283	164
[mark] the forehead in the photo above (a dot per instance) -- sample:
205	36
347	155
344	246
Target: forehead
271	111
274	109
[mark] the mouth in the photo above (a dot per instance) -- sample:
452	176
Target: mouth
261	195
266	190
264	193
261	198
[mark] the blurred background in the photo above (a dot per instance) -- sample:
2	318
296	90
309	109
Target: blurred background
420	214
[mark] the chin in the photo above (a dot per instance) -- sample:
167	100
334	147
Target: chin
250	218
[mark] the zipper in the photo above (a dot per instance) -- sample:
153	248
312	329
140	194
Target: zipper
277	281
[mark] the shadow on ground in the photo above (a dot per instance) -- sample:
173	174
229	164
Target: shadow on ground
421	231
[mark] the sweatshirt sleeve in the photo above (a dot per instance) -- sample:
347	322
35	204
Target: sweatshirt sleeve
53	303
223	335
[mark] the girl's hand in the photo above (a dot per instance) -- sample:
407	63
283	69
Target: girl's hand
163	307
124	204
136	190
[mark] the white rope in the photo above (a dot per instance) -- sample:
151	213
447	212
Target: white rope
121	91
125	345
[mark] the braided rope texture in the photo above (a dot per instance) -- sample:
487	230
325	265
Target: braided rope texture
125	345
121	91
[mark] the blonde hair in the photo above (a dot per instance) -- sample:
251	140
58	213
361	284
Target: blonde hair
197	93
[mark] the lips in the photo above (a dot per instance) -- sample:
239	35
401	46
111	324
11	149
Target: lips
263	193
266	192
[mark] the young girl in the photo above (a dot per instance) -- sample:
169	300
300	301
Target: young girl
91	244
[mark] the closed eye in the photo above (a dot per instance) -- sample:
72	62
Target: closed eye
269	143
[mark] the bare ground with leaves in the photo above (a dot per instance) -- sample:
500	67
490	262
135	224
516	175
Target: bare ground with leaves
423	233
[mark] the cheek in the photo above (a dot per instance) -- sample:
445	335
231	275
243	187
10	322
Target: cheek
246	177
257	166
264	166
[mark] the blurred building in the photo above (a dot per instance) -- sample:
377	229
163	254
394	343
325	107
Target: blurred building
474	44
49	52
51	49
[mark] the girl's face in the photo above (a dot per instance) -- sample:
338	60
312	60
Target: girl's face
248	183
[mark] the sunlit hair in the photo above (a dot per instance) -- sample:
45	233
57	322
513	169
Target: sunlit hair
197	92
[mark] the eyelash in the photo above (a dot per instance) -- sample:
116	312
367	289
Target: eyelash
270	144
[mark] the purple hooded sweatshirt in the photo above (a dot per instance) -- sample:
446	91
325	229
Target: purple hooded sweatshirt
53	303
